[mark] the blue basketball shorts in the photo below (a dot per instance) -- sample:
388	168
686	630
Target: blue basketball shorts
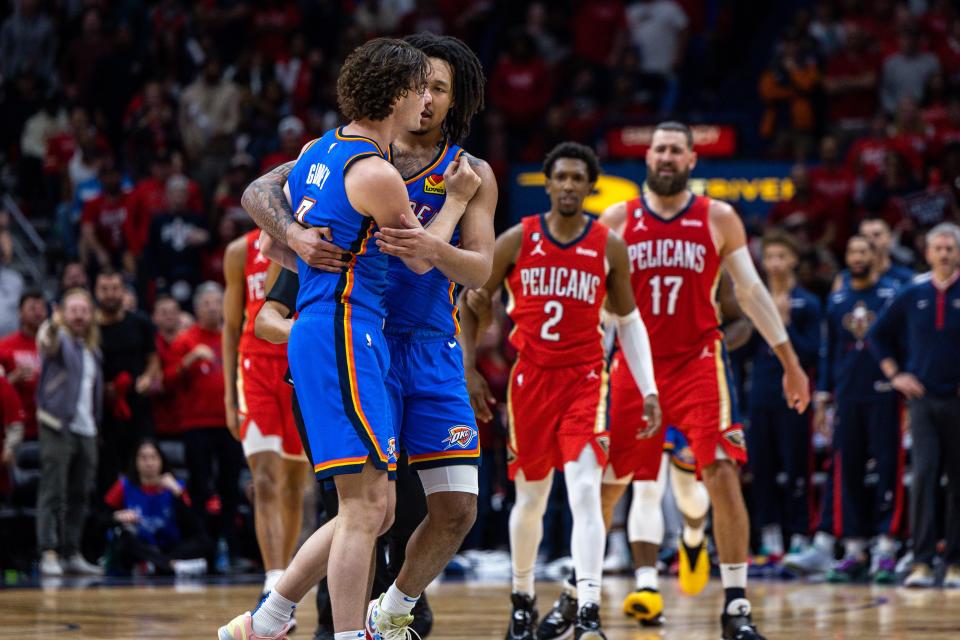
340	361
428	395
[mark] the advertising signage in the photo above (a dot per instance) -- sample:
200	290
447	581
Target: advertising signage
750	186
709	141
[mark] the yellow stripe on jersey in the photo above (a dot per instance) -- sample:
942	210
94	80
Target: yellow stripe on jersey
429	457
456	309
511	426
723	388
340	462
600	425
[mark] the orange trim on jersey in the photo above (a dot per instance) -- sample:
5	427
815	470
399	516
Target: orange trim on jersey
433	165
301	212
600	425
339	462
456	309
429	457
726	413
511	428
683	466
341	136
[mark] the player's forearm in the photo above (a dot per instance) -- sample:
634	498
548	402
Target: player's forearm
786	355
266	203
445	222
468	334
468	268
272	327
230	340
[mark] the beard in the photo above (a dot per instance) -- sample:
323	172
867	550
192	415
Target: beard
111	306
860	272
667	185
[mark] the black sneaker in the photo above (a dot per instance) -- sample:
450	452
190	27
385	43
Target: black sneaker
558	622
739	625
588	624
422	617
523	620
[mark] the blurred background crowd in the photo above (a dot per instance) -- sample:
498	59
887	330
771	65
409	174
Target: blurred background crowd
131	127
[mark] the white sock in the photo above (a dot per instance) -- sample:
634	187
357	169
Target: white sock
693	536
824	541
854	547
272	614
733	575
396	602
886	547
647	578
799	541
350	635
271	579
583	478
526	529
772	539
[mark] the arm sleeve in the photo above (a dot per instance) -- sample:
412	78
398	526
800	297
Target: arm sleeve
884	336
754	298
635	343
285	290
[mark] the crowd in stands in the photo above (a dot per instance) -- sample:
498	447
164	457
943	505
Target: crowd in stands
132	128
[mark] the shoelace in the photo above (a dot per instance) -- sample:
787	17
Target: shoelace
400	633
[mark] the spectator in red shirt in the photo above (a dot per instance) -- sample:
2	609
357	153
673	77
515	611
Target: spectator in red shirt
274	21
12	418
520	87
166	318
884	195
196	368
20	359
290	131
866	155
149	198
102	223
804	214
834	184
850	82
599	31
911	135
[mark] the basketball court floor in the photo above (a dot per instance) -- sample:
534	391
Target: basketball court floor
480	610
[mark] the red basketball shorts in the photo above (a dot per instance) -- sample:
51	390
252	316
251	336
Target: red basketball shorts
266	413
553	414
696	397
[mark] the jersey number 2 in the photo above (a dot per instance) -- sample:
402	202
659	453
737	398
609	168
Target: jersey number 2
673	283
555	310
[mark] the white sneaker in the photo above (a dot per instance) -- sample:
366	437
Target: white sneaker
192	567
811	560
920	578
952	578
50	564
78	565
618	553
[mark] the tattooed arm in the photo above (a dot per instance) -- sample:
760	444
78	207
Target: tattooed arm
267	200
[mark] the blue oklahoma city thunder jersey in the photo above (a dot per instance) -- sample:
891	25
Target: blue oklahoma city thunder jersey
320	200
425	302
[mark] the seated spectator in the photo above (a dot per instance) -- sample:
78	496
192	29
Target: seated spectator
786	88
906	72
520	86
882	197
11	430
209	112
911	135
150	125
850	82
173	259
28	41
196	368
291	131
804	215
866	155
102	223
834	184
69	408
20	359
152	517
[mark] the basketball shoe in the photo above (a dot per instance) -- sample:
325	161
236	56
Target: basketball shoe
921	577
849	569
951	580
523	619
380	625
694	567
241	628
737	623
560	620
587	626
646	605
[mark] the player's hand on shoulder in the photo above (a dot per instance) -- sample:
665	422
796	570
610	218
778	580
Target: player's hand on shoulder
652	416
480	397
461	180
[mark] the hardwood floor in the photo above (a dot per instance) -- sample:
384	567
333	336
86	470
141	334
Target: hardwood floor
480	610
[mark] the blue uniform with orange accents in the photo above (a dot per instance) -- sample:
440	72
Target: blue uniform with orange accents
337	352
435	422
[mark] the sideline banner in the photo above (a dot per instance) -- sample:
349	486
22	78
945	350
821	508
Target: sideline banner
751	186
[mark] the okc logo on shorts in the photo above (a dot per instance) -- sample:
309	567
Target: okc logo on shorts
736	438
460	436
391	449
434	184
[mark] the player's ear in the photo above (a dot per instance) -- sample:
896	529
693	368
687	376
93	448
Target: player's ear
693	160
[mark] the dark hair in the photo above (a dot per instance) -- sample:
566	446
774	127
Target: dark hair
858	236
375	74
468	80
782	238
575	151
109	272
31	294
875	218
673	125
164	297
132	474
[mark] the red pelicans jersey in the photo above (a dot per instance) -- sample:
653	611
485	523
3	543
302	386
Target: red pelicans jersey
674	270
255	278
556	292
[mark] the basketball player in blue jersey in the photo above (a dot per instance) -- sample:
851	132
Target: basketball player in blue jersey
434	418
338	356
